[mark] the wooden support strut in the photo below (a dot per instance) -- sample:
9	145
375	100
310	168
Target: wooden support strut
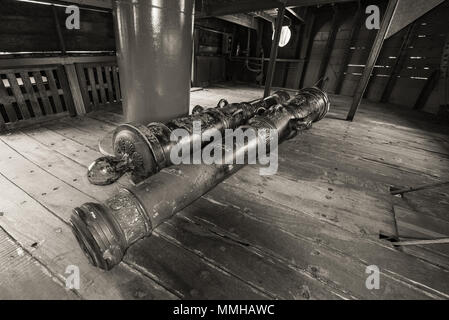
305	50
397	67
356	26
335	24
297	16
375	51
58	30
274	50
444	77
73	83
430	85
224	8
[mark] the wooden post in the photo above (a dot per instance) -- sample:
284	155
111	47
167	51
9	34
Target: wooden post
328	49
444	78
58	30
67	92
195	49
356	26
430	85
274	50
163	79
293	13
72	79
375	51
306	44
399	64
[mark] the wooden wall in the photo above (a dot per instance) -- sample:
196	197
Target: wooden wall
408	62
28	94
35	90
209	57
412	57
46	73
31	27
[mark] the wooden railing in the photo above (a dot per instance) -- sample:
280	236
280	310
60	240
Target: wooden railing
45	88
30	94
99	84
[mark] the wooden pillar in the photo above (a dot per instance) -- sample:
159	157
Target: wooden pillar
274	49
399	63
154	52
430	85
195	50
58	30
356	26
259	50
259	38
375	51
444	78
306	44
335	24
75	89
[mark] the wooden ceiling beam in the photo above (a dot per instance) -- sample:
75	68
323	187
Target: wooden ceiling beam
293	13
265	16
406	14
242	19
260	5
103	4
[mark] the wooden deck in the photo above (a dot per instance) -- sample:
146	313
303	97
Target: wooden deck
308	232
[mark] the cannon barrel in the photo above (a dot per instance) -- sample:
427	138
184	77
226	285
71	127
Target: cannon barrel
105	231
144	150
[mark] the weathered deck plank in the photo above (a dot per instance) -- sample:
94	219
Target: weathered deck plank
23	277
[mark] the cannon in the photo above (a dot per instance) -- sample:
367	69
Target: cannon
105	231
144	150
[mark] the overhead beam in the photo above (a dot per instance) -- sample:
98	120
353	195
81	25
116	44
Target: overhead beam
274	50
265	16
407	13
94	3
101	4
243	6
374	54
241	19
293	13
